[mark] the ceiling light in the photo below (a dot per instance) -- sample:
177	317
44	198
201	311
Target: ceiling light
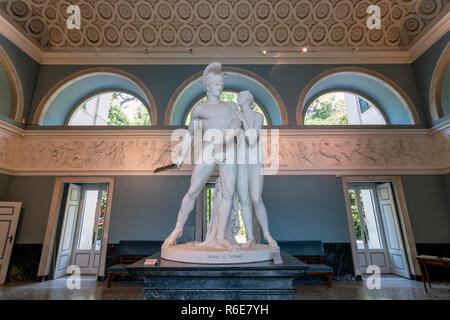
264	52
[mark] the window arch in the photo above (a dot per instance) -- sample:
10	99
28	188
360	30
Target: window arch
227	95
110	108
56	105
235	79
391	100
343	107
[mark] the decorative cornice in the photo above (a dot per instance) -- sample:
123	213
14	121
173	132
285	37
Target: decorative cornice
8	30
431	36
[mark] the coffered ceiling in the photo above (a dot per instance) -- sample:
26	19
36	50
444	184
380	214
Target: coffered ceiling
143	27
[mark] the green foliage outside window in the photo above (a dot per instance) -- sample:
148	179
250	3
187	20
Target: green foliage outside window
329	109
117	116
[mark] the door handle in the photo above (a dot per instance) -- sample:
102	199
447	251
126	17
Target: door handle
11	237
365	237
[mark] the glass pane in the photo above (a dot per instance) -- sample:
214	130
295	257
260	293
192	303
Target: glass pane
88	220
343	108
112	109
356	221
101	219
370	220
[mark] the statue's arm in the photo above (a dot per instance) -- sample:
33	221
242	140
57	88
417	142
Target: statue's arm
253	134
235	124
195	115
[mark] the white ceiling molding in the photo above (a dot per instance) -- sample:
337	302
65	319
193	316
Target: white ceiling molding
430	37
229	56
9	31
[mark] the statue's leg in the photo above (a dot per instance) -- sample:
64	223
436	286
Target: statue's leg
199	177
256	181
244	198
228	177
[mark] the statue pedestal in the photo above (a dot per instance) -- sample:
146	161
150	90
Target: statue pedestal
171	280
193	253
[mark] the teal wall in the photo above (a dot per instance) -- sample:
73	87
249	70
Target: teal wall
26	68
5	180
5	94
35	193
423	72
428	201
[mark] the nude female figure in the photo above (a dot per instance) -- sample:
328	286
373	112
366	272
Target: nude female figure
250	176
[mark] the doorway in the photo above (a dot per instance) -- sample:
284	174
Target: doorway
378	227
77	226
82	224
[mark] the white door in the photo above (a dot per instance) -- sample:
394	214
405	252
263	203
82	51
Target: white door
396	249
9	216
87	245
67	231
368	228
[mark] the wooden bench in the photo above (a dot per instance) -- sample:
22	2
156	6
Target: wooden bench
130	252
311	253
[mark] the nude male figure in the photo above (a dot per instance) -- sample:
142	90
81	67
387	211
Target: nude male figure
250	174
213	114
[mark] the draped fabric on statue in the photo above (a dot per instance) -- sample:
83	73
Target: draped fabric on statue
233	225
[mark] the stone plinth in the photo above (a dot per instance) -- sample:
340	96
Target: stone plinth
171	280
192	253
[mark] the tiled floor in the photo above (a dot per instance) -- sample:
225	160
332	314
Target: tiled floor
392	288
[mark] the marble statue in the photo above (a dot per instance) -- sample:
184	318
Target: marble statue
250	173
213	114
241	179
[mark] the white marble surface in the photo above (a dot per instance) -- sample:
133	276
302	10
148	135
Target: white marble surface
192	253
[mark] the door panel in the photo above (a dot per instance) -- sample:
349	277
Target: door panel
396	248
368	227
87	246
9	216
67	231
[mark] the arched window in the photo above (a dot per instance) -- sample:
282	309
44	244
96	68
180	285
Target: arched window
343	108
225	96
113	108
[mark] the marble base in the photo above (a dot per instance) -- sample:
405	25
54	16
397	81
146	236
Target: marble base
171	280
193	253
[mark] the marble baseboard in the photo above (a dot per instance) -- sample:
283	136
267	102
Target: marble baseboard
339	257
24	262
435	249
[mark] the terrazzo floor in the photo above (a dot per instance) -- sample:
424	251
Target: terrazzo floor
392	288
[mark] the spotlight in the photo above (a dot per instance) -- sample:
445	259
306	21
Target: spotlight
264	52
305	50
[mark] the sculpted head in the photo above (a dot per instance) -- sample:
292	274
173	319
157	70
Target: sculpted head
245	99
213	80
